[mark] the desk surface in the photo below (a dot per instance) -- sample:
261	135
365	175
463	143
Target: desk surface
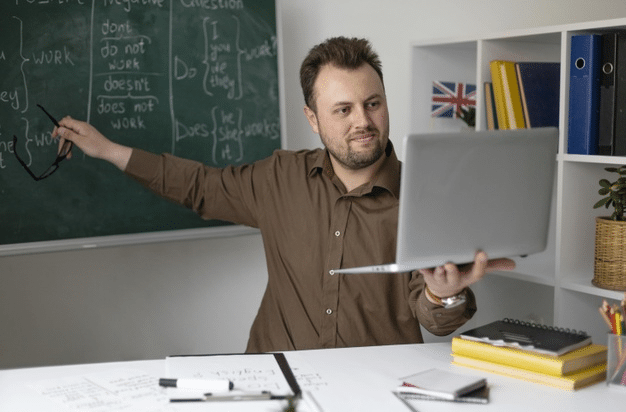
352	379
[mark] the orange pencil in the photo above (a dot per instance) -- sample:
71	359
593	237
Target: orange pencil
605	317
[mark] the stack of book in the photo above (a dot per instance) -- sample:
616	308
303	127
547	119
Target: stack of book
597	94
554	357
522	95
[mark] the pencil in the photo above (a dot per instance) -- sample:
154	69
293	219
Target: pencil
605	316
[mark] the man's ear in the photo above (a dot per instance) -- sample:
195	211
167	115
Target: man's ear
312	118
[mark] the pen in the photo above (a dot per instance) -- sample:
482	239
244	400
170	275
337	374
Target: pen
235	396
204	385
239	396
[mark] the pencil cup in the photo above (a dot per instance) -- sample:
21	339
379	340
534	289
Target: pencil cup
616	361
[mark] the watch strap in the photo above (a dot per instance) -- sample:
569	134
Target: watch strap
448	302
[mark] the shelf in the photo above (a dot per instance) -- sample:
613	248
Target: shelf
565	269
582	283
607	160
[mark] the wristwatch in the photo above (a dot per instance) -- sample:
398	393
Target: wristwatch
450	301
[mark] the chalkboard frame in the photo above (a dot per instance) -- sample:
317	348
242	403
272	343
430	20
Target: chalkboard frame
219	231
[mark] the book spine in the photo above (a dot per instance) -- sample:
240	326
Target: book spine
620	95
584	94
490	105
606	125
522	95
506	94
571	382
539	84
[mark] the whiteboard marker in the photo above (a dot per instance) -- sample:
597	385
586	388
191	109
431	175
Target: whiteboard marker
205	385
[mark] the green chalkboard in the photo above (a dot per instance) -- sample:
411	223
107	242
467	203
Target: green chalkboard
196	78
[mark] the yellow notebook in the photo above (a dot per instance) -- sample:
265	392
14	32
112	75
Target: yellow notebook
573	361
507	95
572	381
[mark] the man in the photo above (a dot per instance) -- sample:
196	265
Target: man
318	210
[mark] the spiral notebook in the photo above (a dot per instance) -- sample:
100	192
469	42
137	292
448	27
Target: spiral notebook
529	336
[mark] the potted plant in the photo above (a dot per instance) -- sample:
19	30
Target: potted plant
610	243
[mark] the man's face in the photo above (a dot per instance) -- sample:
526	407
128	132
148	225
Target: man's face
351	115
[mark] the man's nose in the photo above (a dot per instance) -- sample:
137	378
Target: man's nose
361	117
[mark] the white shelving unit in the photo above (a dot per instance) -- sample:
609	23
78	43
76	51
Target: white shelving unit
553	287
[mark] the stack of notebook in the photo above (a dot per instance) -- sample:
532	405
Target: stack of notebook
561	358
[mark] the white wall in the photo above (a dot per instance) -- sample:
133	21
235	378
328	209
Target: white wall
148	301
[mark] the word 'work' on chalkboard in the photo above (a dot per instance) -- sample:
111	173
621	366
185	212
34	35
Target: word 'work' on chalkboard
195	78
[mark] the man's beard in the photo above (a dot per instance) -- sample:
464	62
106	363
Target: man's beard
354	160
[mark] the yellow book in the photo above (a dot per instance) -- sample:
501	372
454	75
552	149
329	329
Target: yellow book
507	95
570	382
573	361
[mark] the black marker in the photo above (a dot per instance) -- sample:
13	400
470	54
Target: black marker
205	385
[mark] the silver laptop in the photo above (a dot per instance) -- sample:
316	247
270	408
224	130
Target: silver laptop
470	191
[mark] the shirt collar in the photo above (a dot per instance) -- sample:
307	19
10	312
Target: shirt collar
388	176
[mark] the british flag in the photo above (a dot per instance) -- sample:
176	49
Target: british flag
449	97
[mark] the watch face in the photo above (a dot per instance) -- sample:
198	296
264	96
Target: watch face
453	301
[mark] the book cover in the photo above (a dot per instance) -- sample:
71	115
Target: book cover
528	336
506	94
620	95
573	361
490	106
572	381
441	384
539	84
584	94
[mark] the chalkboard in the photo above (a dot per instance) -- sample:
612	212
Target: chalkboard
196	78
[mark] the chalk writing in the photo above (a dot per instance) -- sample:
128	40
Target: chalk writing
127	4
195	78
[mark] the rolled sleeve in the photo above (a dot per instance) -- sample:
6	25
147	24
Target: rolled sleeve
437	319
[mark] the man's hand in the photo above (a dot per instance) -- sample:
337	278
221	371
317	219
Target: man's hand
449	279
91	142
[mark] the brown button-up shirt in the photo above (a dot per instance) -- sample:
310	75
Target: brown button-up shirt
310	225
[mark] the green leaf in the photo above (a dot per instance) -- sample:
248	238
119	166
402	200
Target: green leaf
601	202
604	191
611	169
605	183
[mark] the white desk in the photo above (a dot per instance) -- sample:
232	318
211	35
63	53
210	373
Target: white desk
354	379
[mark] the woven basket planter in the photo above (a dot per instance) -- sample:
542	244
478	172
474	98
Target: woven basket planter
610	254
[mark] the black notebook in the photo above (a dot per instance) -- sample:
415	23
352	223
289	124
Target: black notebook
529	336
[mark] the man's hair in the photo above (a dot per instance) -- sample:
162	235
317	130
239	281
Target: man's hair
341	52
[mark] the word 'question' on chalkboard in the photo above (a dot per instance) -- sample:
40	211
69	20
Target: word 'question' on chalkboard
195	78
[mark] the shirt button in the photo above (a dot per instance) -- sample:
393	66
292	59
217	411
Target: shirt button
337	233
331	272
329	311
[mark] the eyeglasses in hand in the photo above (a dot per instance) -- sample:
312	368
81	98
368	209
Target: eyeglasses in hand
65	150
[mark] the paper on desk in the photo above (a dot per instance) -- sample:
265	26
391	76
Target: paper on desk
115	390
307	376
250	373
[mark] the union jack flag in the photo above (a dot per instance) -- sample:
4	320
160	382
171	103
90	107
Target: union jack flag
449	97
